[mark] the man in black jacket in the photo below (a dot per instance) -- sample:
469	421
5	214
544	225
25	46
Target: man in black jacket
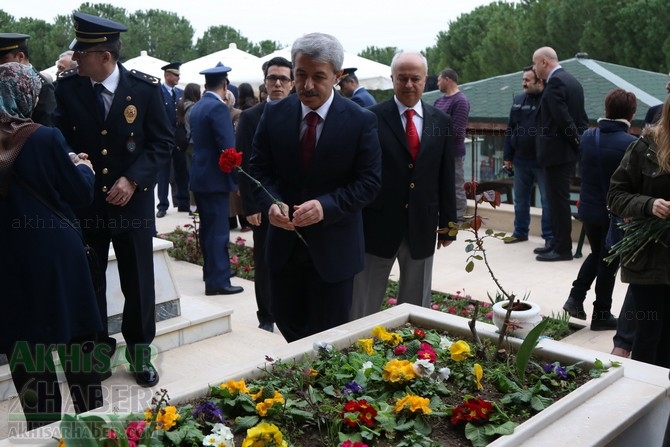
278	80
520	157
562	120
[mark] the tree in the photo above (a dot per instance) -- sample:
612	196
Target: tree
162	34
265	47
40	48
218	38
381	55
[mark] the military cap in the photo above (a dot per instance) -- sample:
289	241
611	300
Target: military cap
215	73
347	72
92	30
172	67
11	41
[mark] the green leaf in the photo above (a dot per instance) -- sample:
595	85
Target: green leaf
422	426
245	422
539	403
469	248
527	347
477	435
469	266
76	433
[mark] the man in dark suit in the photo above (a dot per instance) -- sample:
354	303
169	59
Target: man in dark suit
13	48
118	118
319	155
278	80
174	172
212	132
350	88
417	195
562	120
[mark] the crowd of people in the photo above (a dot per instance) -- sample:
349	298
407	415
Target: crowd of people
349	188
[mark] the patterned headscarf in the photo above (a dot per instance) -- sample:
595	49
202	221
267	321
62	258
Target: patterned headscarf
19	87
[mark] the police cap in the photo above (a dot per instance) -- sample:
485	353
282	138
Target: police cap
11	41
216	73
346	73
172	67
92	30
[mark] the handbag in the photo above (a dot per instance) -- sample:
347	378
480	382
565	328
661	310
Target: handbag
97	276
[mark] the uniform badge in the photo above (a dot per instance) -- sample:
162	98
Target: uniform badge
131	145
130	113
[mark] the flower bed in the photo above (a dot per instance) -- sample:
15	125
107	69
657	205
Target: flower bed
407	387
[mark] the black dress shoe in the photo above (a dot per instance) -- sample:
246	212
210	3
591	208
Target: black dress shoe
574	308
514	239
230	290
161	213
146	375
552	256
270	327
608	323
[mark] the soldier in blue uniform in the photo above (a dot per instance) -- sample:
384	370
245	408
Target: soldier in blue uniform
117	117
174	172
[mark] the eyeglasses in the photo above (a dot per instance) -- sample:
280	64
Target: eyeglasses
274	78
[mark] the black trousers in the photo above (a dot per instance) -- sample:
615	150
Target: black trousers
652	309
302	302
595	268
557	180
34	376
261	273
134	256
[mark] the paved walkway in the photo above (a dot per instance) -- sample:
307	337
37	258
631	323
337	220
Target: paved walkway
189	368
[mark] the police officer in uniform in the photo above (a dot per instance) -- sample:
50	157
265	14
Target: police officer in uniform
174	172
117	117
13	48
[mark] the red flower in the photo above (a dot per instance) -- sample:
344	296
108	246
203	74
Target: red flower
230	159
472	410
358	412
426	352
418	333
452	310
400	350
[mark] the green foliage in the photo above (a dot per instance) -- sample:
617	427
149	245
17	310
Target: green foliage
527	347
381	55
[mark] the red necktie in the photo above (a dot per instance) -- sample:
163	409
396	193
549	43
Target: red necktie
412	134
308	142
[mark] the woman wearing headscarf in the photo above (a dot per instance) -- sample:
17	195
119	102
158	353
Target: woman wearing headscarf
48	300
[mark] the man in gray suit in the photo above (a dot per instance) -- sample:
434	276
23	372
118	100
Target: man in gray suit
418	193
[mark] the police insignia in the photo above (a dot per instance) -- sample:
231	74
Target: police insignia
130	113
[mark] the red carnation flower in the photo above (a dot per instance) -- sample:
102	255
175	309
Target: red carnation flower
230	159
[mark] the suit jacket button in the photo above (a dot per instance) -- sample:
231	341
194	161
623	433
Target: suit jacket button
105	170
411	186
104	189
104	132
410	166
406	205
103	152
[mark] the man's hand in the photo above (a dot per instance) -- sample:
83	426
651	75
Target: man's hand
121	192
307	214
279	217
254	219
443	243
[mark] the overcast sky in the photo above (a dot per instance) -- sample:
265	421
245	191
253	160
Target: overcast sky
406	24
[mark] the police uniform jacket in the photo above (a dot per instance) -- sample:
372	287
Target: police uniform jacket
132	141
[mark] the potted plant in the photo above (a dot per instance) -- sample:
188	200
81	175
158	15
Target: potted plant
511	316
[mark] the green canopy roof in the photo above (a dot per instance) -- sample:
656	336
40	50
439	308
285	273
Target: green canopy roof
490	99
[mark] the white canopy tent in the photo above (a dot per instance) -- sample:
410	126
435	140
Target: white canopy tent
245	67
371	75
146	64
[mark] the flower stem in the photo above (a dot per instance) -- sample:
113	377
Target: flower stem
274	199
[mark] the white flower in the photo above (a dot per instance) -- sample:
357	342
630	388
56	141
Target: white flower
365	366
445	373
212	440
423	368
319	345
445	343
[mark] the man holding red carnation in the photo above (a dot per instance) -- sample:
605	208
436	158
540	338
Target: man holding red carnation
318	154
